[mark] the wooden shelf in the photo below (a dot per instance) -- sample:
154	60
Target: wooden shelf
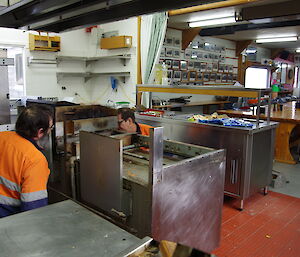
205	90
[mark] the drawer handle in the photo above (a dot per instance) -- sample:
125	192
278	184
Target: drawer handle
234	171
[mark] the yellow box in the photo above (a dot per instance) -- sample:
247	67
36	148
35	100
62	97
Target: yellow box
44	43
116	42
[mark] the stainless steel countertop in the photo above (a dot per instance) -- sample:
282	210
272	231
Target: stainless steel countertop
180	119
64	229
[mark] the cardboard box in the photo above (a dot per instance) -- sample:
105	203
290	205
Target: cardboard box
116	42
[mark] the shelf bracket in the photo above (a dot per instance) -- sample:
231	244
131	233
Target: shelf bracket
58	78
123	60
87	63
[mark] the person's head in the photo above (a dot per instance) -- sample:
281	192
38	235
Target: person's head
35	122
126	120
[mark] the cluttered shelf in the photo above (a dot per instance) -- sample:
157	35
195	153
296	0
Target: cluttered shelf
192	104
289	113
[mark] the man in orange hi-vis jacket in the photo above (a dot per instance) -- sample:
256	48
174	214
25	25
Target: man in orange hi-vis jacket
24	169
126	122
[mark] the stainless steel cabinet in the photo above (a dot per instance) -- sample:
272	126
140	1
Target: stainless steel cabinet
249	151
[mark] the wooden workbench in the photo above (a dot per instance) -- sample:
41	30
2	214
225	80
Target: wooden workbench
289	120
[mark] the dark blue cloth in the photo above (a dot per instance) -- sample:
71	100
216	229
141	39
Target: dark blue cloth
26	206
6	210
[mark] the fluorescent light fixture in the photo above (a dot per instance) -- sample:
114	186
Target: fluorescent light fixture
211	22
298	50
276	39
251	51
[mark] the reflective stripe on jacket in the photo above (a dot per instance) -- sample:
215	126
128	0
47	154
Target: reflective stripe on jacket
23	175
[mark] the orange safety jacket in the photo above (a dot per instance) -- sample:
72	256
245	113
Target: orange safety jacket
24	174
144	129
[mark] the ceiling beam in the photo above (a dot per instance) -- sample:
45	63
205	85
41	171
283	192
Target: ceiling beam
188	35
271	10
210	6
227	30
36	11
241	46
61	19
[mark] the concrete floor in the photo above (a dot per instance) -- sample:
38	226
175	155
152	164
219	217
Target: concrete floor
292	175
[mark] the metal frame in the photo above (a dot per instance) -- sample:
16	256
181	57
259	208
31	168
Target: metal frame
210	90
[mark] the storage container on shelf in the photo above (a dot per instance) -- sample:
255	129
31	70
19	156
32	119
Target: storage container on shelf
122	105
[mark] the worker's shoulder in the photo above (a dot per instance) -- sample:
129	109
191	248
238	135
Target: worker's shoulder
17	144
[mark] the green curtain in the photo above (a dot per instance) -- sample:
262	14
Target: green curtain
156	35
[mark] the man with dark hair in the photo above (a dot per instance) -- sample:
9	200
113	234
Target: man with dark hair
126	122
24	169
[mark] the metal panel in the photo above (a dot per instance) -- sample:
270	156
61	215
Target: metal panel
4	92
7	61
101	171
262	143
64	229
156	155
187	203
7	127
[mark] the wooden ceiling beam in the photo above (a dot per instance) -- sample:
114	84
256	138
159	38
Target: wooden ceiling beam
188	35
210	6
241	46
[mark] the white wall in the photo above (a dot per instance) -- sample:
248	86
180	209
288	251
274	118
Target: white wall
101	90
41	79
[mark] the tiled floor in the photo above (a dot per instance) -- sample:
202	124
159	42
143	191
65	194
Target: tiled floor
292	175
268	226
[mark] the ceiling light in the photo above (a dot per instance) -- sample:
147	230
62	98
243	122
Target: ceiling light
298	50
276	39
211	22
251	51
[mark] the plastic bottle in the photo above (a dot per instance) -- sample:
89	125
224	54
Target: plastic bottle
164	79
158	74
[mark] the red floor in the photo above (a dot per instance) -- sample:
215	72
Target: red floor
268	226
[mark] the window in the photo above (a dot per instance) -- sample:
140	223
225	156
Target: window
16	72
